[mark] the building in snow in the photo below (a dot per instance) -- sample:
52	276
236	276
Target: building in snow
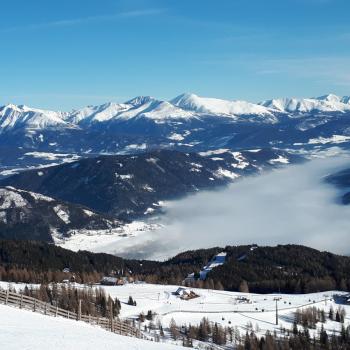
185	293
115	281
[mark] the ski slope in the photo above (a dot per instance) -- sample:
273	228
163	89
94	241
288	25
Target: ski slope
230	309
22	329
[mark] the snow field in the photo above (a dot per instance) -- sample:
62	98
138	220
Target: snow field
230	309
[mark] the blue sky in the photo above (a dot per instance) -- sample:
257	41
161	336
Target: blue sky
69	53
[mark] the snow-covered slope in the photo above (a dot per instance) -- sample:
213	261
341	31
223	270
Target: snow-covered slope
22	329
229	309
219	306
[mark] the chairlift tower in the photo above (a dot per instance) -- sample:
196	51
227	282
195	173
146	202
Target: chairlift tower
276	299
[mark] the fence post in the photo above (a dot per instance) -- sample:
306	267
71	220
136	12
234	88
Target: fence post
111	313
56	310
45	309
34	306
79	310
21	301
7	296
68	314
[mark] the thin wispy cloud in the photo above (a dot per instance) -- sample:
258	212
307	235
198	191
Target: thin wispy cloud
84	20
333	70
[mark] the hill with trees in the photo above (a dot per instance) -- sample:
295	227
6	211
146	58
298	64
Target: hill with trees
283	268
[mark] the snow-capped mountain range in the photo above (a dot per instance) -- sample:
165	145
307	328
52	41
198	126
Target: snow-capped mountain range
181	107
186	123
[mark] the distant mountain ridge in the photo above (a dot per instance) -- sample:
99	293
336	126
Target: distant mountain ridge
186	123
181	107
131	186
326	103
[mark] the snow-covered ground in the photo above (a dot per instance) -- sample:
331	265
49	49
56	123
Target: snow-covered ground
226	308
22	329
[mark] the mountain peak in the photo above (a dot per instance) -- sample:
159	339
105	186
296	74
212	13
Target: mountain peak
186	96
13	106
329	98
140	100
216	106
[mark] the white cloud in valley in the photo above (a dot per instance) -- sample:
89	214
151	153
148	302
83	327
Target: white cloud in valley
289	205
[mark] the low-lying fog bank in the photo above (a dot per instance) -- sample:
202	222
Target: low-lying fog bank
289	205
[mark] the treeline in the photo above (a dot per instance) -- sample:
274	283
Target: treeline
42	257
17	274
284	268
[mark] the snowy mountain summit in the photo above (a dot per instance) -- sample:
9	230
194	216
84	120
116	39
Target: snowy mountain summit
326	103
217	106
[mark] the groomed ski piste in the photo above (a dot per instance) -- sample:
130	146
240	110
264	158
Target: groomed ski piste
23	329
230	309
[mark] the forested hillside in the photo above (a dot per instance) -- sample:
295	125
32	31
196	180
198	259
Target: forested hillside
288	268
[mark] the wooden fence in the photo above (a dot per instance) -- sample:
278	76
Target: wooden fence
111	324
